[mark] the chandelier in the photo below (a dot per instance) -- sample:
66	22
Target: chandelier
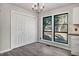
38	7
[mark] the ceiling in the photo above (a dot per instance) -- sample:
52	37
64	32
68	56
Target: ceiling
48	6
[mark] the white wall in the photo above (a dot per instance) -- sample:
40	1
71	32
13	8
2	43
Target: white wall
0	27
5	24
58	11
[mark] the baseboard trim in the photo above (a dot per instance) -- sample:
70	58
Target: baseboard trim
5	50
45	42
14	48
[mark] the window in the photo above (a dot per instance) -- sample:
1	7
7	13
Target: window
61	28
47	28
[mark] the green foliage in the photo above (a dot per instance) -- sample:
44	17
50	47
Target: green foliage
47	21
56	19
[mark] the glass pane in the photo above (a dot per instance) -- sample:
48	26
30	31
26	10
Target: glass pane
48	36
47	28
61	37
60	19
60	28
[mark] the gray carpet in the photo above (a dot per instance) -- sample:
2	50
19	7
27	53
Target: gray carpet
37	49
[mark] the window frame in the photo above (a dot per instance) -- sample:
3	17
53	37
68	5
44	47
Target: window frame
61	24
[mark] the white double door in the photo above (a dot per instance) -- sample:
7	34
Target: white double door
23	29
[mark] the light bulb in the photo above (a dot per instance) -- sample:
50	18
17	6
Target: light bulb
43	4
32	6
36	8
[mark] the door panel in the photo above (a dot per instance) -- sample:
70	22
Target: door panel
23	29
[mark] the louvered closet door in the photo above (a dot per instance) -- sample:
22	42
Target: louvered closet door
23	29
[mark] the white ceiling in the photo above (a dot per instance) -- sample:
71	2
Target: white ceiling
48	6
